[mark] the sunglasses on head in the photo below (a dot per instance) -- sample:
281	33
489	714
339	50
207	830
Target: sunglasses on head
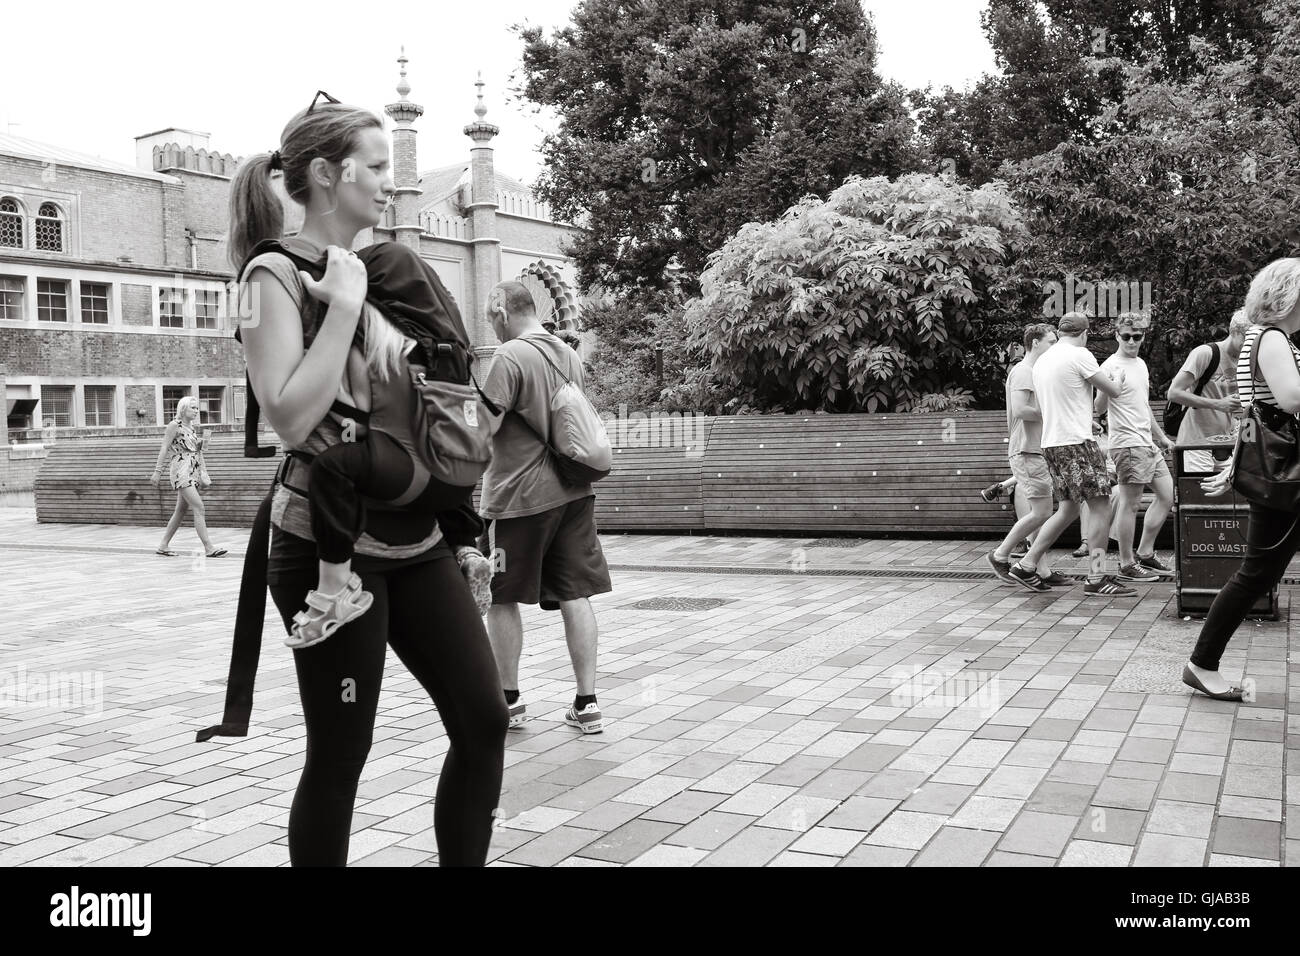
1132	336
316	98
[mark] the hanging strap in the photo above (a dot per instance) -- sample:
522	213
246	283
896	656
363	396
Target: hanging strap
249	616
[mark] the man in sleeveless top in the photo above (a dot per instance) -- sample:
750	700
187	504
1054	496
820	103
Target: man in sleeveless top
1214	411
541	533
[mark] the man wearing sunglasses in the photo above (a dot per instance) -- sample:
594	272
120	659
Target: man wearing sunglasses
1137	447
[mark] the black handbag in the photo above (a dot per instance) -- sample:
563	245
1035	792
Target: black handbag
1266	465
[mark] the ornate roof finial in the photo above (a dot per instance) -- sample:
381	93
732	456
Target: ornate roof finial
402	86
480	110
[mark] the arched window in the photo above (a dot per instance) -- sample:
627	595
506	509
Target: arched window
11	223
49	228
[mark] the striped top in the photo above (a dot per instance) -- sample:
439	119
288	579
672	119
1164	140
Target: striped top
1259	390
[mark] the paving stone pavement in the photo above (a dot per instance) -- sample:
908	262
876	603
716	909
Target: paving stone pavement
844	719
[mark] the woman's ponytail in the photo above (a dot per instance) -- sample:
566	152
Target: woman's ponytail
255	209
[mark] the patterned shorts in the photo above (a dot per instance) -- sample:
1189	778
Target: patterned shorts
1078	472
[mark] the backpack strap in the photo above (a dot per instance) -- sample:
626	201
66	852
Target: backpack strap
248	630
1215	359
542	352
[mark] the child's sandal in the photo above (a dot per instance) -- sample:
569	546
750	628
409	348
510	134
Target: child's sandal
326	613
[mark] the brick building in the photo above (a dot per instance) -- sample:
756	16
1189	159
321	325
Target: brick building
115	292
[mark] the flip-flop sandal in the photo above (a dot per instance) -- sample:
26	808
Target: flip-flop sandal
325	614
218	553
165	552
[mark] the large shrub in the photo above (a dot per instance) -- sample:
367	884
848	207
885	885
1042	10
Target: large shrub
864	302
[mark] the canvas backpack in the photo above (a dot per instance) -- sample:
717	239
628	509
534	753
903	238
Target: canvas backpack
578	444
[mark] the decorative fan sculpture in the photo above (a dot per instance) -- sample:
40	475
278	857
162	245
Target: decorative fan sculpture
552	298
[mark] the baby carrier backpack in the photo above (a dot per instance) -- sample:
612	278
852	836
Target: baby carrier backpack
430	406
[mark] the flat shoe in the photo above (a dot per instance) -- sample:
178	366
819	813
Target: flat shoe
1191	680
218	553
166	552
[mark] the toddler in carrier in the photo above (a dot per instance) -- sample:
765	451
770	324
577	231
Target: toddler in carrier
367	463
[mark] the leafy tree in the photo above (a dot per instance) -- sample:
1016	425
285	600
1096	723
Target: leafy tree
1197	190
864	302
680	120
1062	63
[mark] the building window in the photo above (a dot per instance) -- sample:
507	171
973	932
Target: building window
171	309
210	399
206	308
100	400
51	300
94	302
12	290
56	406
49	228
172	394
11	223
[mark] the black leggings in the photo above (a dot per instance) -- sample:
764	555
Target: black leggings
1272	538
375	466
426	613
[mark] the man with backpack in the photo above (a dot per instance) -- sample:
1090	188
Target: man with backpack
537	497
1202	396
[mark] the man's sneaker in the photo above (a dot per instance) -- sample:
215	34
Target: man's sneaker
1027	579
1081	551
587	720
1152	563
517	713
1107	587
1135	572
1057	580
1020	550
1001	568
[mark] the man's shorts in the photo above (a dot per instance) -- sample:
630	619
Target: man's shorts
1078	472
1139	466
1032	477
547	557
1201	461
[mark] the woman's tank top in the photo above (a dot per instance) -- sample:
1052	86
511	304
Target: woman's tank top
1257	390
289	510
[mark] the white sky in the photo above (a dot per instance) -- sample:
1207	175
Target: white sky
104	73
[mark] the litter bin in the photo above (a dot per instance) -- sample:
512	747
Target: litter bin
1211	539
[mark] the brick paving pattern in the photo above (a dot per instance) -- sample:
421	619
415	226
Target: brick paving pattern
811	720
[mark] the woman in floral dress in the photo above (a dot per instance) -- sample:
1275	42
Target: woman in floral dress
181	447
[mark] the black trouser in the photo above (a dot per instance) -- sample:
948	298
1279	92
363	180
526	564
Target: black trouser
1272	538
376	467
426	613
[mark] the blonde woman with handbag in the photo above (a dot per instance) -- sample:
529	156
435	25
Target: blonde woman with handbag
1271	381
182	448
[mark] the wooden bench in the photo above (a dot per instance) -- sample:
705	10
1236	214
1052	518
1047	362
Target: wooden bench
106	481
910	475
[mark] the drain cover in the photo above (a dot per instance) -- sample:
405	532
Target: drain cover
678	604
835	542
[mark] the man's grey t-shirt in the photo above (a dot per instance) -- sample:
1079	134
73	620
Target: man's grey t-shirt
521	480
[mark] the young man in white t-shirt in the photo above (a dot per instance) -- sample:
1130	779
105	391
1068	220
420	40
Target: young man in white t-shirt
1033	483
1137	448
1064	378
